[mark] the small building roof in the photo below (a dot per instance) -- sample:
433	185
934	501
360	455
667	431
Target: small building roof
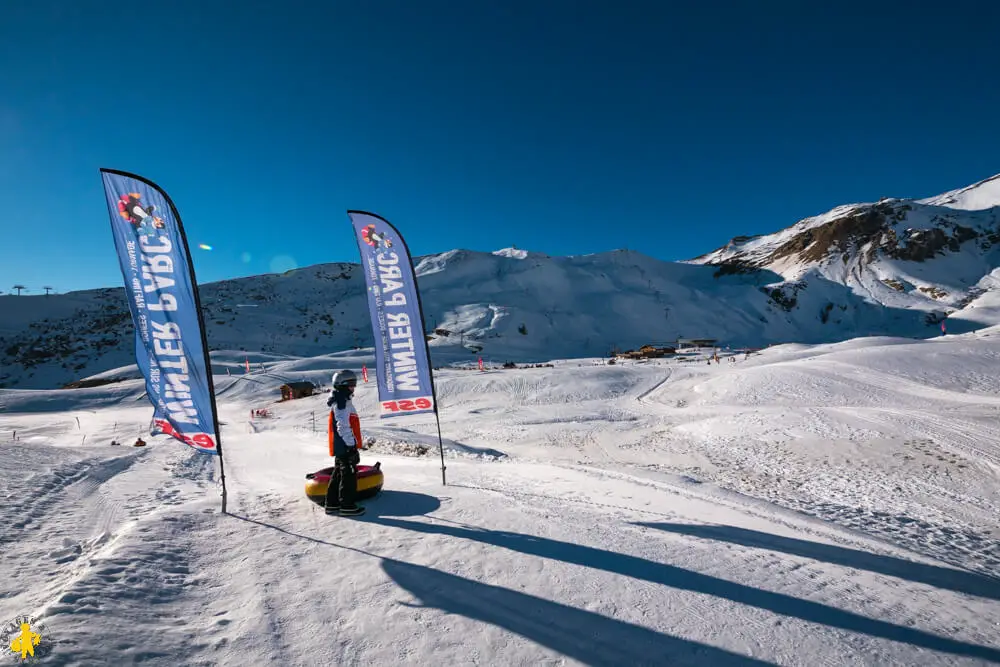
299	385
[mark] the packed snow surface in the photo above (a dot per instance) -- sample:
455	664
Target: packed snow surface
805	505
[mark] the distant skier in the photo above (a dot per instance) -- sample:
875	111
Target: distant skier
344	434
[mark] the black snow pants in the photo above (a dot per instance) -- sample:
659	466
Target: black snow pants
344	481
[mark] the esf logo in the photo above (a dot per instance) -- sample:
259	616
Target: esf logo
407	405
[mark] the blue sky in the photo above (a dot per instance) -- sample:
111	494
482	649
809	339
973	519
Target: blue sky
561	127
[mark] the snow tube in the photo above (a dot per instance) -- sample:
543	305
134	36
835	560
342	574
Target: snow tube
370	479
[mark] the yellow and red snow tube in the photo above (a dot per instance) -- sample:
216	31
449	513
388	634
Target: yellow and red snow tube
370	480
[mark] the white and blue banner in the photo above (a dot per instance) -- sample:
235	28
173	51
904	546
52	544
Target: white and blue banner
170	346
402	359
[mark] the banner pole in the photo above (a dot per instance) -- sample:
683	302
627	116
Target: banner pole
440	446
197	303
204	342
427	348
204	346
437	418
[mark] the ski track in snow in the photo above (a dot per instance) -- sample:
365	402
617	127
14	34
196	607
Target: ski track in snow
882	503
787	509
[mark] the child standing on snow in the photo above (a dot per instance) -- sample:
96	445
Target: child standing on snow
344	434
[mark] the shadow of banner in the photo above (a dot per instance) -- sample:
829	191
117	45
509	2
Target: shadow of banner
940	577
689	580
591	638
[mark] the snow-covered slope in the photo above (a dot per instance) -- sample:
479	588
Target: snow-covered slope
896	267
510	305
830	505
982	195
934	257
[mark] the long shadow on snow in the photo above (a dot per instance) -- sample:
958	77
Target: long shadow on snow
400	503
591	638
676	577
387	503
940	577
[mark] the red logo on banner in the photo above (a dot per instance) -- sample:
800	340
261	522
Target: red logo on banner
199	440
407	405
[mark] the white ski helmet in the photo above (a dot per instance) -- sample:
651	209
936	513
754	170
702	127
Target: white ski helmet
344	378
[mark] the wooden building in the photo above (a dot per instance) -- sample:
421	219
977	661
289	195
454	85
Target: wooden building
294	390
647	352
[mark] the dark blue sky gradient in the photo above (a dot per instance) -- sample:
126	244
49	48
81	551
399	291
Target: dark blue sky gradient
561	127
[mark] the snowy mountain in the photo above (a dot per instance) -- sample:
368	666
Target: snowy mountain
934	256
895	267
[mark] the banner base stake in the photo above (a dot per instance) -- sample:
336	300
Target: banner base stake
437	418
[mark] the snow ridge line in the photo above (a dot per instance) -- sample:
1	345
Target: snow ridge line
897	384
799	520
508	491
760	509
748	505
641	397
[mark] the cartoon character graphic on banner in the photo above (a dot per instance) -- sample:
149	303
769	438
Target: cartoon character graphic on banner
374	239
130	207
